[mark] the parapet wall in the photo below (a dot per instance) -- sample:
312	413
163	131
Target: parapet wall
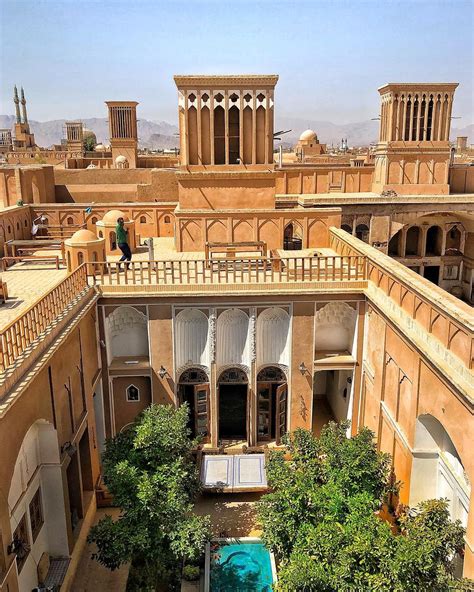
323	179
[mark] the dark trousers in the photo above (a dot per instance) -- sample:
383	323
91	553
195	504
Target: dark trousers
127	254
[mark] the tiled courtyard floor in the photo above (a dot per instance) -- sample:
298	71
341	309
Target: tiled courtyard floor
232	514
91	576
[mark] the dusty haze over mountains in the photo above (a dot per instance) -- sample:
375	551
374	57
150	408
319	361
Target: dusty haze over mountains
161	134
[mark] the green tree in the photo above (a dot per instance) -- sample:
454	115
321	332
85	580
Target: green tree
321	519
151	473
89	143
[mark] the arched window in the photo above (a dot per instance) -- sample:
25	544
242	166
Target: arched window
219	135
362	232
70	221
94	220
273	337
167	220
394	244
233	376
18	226
412	243
434	241
335	327
80	258
133	394
142	219
347	228
113	241
293	237
234	135
127	333
191	332
453	241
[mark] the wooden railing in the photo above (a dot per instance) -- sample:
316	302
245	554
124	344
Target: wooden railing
229	271
17	336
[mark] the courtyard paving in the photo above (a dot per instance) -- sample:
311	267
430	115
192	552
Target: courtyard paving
232	514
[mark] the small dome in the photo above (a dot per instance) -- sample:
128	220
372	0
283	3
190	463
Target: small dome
120	160
91	166
113	215
308	135
100	148
82	236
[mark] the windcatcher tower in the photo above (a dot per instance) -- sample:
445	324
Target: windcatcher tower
123	133
412	156
75	136
226	120
226	157
24	139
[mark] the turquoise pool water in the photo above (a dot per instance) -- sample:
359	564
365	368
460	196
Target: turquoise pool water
240	567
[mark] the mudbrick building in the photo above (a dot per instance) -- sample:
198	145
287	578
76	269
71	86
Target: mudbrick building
266	297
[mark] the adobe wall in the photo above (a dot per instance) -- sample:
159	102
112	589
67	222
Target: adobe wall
323	179
226	191
195	228
46	398
32	184
461	179
15	223
151	219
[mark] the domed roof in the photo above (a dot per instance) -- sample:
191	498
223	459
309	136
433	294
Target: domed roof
120	159
91	166
113	215
100	148
307	135
82	236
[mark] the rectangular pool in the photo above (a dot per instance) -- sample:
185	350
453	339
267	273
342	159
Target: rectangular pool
239	565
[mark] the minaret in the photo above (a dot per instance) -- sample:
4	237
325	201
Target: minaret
17	105
23	107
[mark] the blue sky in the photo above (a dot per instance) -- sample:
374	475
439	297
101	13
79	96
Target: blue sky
72	55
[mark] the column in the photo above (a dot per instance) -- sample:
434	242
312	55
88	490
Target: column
418	119
226	128
252	396
213	420
186	126
440	122
433	119
404	119
254	127
448	118
412	102
211	124
267	125
396	134
425	118
199	138
241	126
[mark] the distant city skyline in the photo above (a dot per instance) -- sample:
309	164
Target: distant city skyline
71	56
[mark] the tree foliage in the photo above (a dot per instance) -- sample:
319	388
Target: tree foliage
153	478
321	520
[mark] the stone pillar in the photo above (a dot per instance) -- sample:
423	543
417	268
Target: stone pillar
425	117
448	118
252	396
418	118
213	411
357	375
412	107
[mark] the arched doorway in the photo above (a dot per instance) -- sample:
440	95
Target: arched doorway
272	403
362	232
412	241
193	389
453	242
292	237
232	397
394	244
434	241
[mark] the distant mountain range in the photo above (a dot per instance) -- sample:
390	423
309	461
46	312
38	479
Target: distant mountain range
160	134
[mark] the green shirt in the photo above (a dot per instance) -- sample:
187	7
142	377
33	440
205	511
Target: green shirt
121	233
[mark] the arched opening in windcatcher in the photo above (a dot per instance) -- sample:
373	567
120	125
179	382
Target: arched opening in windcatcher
193	389
272	404
232	396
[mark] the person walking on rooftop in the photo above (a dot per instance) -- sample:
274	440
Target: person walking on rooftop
122	241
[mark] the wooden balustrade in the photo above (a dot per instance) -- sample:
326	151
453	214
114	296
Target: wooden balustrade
229	271
18	335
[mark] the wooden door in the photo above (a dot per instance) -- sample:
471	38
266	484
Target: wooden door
264	411
201	410
281	413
